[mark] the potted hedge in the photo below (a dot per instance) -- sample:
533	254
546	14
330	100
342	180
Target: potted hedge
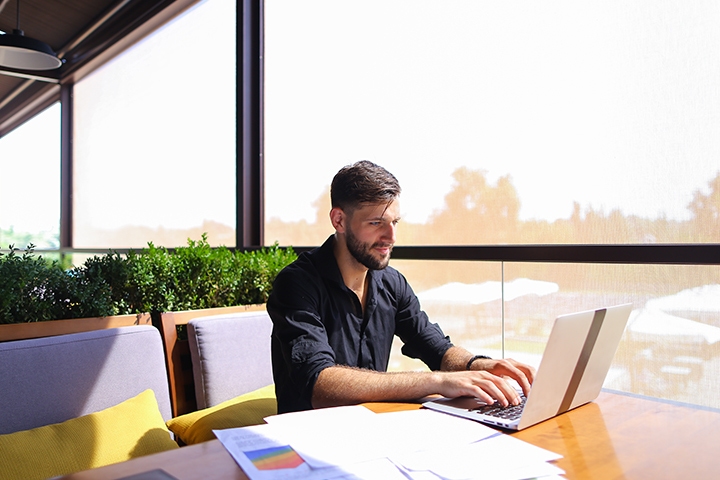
155	286
193	277
150	281
35	289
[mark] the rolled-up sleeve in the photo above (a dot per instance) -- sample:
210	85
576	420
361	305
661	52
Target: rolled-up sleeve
421	338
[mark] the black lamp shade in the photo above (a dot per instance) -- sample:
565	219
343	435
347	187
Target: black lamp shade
25	53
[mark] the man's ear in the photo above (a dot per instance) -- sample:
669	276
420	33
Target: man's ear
338	219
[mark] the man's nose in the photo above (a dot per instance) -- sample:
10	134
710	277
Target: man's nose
389	233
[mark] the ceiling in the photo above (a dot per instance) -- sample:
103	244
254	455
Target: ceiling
82	32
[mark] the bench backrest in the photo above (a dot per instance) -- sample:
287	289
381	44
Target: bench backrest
50	380
230	355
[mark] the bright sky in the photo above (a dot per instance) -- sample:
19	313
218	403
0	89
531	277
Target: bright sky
158	128
29	175
611	104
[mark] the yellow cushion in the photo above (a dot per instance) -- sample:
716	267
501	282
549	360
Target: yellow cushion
130	429
247	409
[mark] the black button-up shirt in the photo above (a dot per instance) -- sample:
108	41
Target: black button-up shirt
318	322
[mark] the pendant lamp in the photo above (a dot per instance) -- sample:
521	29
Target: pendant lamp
25	53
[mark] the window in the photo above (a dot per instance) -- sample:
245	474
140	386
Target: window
551	122
154	147
30	183
516	123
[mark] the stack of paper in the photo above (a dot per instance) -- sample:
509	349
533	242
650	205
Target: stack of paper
350	443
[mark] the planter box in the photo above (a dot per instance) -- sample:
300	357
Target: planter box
23	331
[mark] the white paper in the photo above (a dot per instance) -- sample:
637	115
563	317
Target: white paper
353	413
499	457
423	429
353	443
381	468
334	436
362	435
263	455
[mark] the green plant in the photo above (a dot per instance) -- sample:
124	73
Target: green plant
208	272
34	289
260	267
114	271
152	280
198	276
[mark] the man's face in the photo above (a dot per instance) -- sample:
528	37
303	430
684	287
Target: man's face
370	234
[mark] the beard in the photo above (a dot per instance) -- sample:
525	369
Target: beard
362	252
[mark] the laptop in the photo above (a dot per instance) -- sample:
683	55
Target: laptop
573	368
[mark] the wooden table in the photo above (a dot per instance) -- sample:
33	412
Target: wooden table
617	436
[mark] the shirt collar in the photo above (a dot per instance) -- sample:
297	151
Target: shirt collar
325	261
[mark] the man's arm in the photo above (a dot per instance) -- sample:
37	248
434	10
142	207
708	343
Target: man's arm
457	358
339	385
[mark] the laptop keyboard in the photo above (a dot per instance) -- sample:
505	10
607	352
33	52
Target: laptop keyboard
511	412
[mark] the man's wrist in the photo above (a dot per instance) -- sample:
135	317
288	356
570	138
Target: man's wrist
476	357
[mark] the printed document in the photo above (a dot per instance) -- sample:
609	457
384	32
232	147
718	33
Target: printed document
354	443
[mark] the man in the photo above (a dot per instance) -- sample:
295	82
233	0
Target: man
336	309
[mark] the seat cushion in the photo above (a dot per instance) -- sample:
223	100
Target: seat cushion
241	411
130	429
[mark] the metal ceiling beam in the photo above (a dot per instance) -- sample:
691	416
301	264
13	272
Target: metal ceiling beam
93	27
115	29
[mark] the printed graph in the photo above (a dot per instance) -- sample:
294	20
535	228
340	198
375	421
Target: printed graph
274	458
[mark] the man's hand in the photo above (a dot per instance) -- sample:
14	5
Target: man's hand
523	374
484	385
494	383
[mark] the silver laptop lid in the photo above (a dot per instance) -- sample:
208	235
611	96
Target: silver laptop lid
575	363
573	368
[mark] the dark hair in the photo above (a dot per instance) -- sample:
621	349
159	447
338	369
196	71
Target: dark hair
363	183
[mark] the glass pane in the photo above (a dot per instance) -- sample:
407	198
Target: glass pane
463	298
671	346
30	183
505	122
154	143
